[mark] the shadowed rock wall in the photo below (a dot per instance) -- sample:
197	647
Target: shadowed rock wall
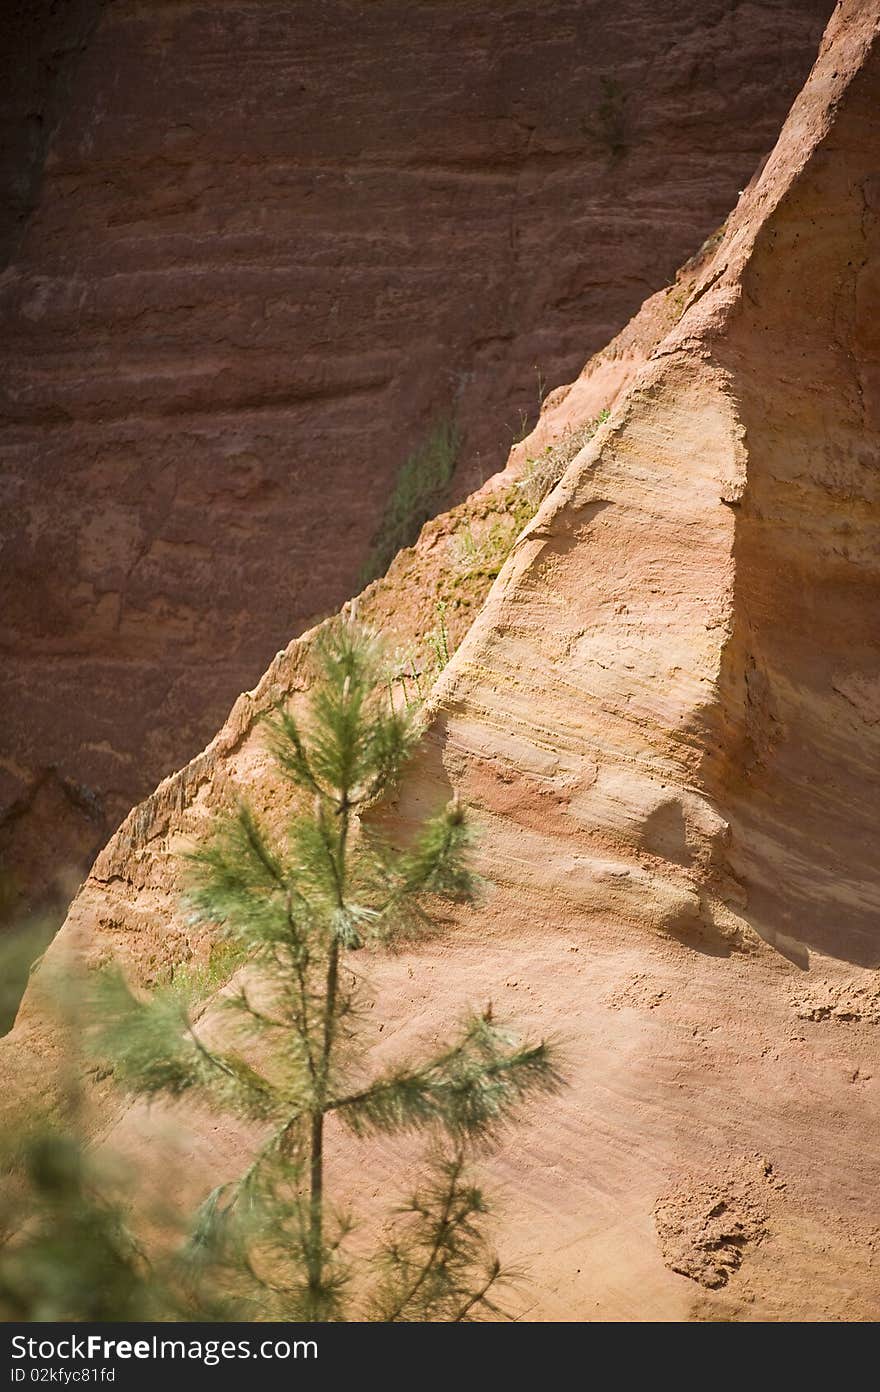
41	43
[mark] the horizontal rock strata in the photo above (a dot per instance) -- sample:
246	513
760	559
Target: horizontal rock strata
662	717
274	243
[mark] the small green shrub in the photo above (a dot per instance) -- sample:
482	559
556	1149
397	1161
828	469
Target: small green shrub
417	496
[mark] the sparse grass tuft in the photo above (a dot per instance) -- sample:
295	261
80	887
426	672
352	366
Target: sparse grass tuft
543	473
522	430
417	496
197	981
412	671
438	638
481	557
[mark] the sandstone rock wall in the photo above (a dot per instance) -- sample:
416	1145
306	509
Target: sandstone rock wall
274	242
662	717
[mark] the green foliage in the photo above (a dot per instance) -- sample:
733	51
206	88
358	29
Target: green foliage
296	901
481	557
417	496
412	671
198	981
437	1264
65	1250
544	472
438	638
469	1088
156	1050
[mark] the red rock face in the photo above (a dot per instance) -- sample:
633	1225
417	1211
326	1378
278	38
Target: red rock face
274	242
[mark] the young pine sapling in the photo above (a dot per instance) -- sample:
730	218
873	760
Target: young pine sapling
299	905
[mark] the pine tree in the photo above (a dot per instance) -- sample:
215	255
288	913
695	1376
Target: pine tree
296	906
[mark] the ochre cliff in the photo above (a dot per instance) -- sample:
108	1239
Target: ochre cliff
274	242
665	718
